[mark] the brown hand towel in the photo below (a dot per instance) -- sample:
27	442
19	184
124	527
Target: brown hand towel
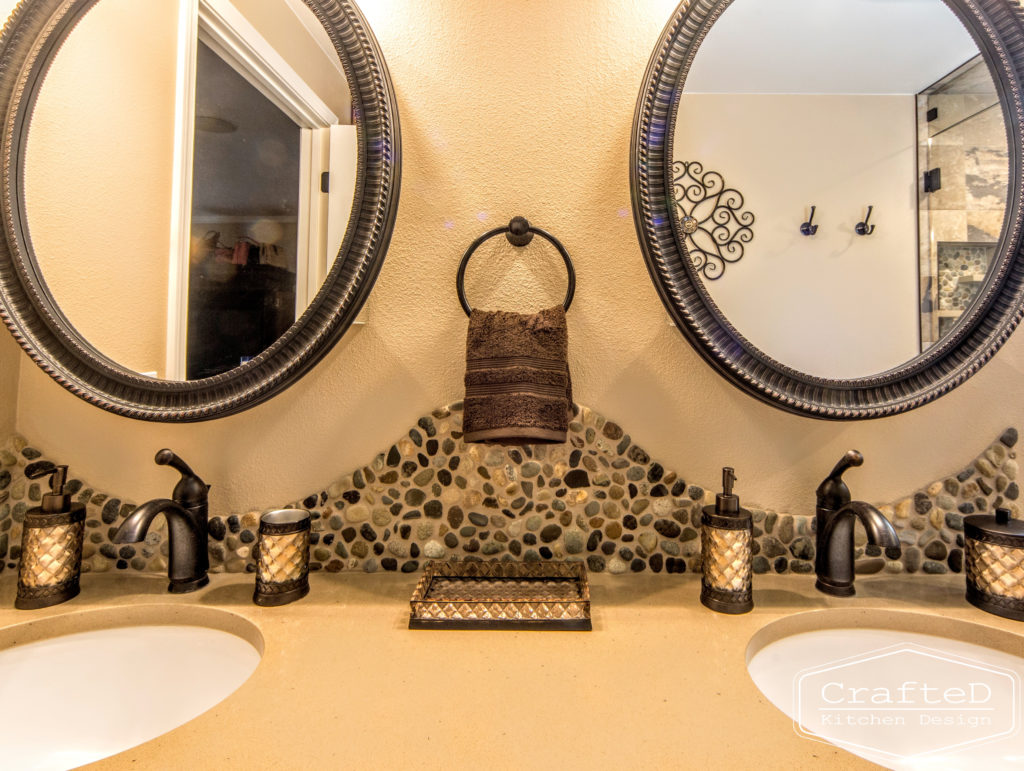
517	377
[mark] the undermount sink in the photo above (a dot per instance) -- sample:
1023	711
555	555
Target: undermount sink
120	678
904	690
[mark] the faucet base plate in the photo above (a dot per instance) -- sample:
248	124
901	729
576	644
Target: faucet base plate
186	585
836	590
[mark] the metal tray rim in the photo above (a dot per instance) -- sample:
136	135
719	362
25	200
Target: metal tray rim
450	569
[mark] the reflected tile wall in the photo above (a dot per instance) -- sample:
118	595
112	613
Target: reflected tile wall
966	140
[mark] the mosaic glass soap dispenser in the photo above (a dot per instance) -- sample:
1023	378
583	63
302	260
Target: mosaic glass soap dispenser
727	537
51	543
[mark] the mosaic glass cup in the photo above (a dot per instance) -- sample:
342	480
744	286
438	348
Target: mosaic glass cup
282	557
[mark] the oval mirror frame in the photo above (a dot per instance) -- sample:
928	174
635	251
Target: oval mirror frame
998	28
30	40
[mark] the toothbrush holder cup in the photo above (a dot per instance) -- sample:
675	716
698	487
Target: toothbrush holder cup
282	557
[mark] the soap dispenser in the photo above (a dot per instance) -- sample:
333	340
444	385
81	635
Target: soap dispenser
727	537
51	543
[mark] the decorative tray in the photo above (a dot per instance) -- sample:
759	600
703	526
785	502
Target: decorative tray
493	594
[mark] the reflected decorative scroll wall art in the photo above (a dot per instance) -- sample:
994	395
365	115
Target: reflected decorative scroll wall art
711	216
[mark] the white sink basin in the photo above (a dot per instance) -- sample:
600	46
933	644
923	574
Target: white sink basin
904	690
73	699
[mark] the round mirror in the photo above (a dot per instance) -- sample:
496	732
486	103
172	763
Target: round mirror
200	194
834	224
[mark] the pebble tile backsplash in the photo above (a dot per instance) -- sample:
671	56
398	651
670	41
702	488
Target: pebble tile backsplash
599	498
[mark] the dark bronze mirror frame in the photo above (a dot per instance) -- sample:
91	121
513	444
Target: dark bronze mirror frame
998	28
30	40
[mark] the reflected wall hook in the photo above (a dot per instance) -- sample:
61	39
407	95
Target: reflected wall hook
809	228
862	227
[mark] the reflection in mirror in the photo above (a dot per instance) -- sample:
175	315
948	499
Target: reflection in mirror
962	155
843	106
189	171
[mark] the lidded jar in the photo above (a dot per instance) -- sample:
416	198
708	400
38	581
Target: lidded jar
994	562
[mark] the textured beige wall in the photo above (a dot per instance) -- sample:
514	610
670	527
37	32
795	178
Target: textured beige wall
10	357
520	108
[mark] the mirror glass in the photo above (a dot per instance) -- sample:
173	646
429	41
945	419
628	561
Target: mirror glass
189	177
883	117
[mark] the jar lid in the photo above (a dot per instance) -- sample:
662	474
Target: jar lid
1001	527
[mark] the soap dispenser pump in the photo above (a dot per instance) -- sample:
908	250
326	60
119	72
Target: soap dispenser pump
727	537
51	543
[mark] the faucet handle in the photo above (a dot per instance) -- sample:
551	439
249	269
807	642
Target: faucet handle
851	458
170	458
833	493
190	490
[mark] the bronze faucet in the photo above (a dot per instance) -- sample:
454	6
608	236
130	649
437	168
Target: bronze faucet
186	526
835	515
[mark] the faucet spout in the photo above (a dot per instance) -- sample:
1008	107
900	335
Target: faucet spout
834	554
186	535
137	524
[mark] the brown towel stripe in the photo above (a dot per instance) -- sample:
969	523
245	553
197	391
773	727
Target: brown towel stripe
517	375
537	389
516	361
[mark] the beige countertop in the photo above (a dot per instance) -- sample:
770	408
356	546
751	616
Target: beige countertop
659	683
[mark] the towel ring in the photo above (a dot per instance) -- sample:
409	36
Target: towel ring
519	233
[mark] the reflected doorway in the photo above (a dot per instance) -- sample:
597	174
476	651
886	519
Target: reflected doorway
244	234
